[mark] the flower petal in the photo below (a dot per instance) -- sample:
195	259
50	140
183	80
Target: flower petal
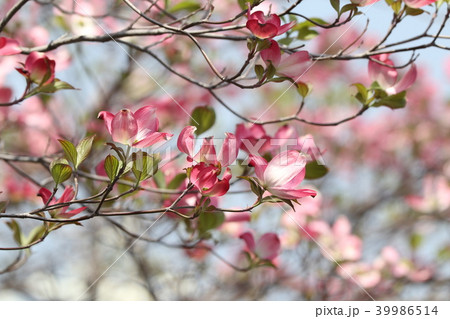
384	75
45	194
405	83
294	66
186	141
146	121
418	3
260	165
107	117
207	152
124	127
268	246
283	168
152	139
288	193
9	46
262	31
229	151
286	27
272	54
71	213
249	240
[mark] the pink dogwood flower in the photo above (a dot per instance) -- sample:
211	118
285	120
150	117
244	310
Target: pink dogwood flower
66	196
205	174
266	27
418	3
387	77
291	66
9	46
205	178
252	138
138	129
281	176
267	247
207	153
38	68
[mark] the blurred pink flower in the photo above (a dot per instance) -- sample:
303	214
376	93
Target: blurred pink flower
387	77
252	138
66	196
9	46
292	66
267	247
436	195
418	3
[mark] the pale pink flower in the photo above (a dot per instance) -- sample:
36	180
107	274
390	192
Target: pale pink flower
207	153
363	3
281	176
138	129
290	65
340	244
418	3
253	138
9	46
267	247
436	195
387	77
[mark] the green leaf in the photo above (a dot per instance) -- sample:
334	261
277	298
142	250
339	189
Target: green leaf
347	7
413	11
362	94
177	181
395	101
56	85
270	72
203	118
259	70
303	89
263	44
208	221
271	199
112	166
144	165
335	4
265	263
159	179
187	5
83	149
415	240
60	170
444	253
35	234
314	170
254	185
306	34
285	41
17	232
69	150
